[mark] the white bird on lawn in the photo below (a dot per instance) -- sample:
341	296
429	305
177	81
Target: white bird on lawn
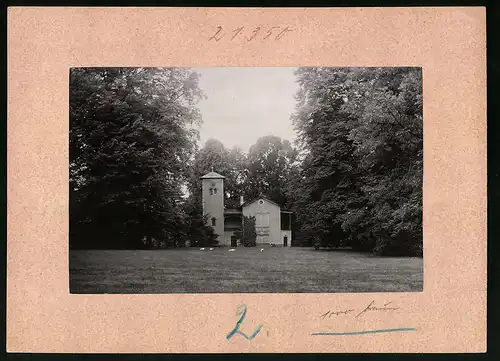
202	249
262	249
232	250
211	249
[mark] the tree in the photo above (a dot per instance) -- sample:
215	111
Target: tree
132	133
248	235
360	133
198	232
229	163
238	177
327	186
389	143
269	161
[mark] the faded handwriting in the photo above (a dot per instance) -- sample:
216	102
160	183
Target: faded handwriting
371	307
250	34
336	313
242	312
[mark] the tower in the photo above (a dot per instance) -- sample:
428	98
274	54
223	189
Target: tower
213	202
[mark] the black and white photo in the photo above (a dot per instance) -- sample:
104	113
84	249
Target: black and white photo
246	180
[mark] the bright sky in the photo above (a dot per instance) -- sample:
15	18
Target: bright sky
244	104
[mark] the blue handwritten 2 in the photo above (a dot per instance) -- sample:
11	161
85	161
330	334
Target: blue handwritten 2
242	312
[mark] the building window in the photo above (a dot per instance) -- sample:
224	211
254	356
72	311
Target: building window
215	190
211	191
213	222
261	202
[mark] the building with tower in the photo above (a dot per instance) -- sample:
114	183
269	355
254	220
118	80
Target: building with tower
272	225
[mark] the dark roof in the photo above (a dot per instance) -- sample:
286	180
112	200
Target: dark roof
213	175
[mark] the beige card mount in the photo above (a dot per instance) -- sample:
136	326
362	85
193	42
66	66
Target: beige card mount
448	313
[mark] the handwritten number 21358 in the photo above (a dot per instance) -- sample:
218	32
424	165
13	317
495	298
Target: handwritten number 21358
275	32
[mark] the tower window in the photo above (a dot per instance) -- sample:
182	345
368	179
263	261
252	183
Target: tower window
211	191
215	190
213	222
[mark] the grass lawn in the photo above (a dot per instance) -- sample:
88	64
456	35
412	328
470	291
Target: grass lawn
247	270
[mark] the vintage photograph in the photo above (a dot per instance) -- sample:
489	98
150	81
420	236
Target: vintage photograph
245	180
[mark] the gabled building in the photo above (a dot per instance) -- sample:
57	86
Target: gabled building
272	224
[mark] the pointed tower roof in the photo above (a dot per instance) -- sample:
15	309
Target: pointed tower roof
212	175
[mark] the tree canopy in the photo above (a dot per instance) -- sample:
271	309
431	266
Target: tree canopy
361	132
132	134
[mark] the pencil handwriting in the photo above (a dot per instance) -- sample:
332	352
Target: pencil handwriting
370	308
249	34
337	313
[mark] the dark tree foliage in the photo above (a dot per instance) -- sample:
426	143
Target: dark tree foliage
132	133
265	170
360	131
269	163
198	230
249	235
229	163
